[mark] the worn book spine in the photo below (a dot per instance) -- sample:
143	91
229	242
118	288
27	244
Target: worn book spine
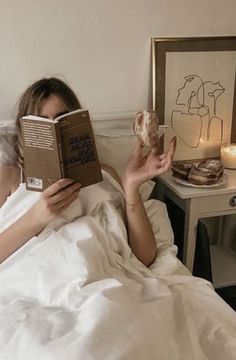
60	148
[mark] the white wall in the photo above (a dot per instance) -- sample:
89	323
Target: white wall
101	47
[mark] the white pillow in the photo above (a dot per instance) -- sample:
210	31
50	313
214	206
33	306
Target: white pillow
114	147
7	143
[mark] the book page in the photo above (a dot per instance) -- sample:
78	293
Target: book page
38	135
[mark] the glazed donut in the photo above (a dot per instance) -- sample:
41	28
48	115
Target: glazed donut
202	176
207	172
181	169
146	126
212	164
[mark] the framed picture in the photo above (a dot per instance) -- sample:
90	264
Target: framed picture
194	93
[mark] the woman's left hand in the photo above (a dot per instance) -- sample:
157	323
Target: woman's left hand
140	168
53	200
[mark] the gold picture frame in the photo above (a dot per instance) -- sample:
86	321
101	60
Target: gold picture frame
194	92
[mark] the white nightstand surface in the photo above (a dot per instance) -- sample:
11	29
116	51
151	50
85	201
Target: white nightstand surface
185	192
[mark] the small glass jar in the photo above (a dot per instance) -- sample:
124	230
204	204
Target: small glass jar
228	155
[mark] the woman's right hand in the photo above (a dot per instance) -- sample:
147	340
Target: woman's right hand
53	200
140	168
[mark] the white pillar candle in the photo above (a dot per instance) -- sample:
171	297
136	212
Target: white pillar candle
228	156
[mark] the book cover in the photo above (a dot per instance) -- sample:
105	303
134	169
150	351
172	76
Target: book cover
59	148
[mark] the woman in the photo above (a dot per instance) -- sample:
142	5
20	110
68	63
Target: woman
51	98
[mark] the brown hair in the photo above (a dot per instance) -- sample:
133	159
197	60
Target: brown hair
32	98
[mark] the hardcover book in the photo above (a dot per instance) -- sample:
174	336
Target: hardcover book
59	148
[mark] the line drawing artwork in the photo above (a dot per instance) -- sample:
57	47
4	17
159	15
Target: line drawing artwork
196	102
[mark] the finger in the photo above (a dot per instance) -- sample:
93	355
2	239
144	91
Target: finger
163	156
64	203
57	186
172	146
165	161
160	169
158	165
64	193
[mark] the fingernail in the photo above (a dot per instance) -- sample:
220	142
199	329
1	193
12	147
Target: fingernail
68	180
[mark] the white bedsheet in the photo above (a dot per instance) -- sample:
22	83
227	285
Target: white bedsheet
77	292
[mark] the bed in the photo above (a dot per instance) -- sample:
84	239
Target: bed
76	291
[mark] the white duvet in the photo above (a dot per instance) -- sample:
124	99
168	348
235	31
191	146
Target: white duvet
76	291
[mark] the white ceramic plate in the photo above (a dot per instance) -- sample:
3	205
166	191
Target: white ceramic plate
222	180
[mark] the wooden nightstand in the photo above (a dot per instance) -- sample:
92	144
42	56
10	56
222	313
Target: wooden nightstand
197	203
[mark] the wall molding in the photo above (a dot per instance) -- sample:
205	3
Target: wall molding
113	120
113	115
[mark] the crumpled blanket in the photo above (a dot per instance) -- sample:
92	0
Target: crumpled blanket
76	291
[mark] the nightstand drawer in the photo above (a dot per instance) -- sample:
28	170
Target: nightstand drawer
214	204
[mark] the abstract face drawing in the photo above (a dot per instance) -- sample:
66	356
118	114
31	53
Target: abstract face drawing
196	103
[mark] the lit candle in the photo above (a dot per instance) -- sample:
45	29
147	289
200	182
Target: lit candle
228	156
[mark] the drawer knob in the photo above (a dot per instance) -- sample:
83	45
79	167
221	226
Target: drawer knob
233	201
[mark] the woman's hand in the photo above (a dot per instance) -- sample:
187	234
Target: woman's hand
54	200
142	168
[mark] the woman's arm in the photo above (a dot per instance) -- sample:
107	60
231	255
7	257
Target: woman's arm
140	233
52	202
138	170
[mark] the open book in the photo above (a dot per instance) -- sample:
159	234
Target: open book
59	148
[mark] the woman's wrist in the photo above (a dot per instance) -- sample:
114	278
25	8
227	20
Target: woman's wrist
130	184
132	194
38	222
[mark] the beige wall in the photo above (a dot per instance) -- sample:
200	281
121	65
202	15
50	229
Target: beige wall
102	47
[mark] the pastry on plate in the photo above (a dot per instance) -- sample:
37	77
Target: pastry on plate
207	172
212	164
202	176
181	169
